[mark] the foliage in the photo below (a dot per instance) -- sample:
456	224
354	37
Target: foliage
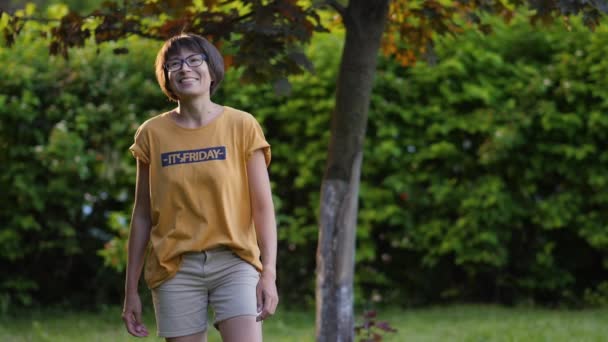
483	176
597	297
265	36
82	7
261	36
489	168
372	330
414	25
64	129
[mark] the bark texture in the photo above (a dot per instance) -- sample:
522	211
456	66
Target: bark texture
364	21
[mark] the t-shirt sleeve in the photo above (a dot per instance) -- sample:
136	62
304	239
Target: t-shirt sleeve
141	147
255	140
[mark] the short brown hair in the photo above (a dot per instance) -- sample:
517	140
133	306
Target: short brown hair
193	42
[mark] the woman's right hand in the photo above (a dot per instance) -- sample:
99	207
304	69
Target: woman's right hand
131	315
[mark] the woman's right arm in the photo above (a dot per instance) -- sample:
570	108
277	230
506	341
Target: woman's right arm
139	236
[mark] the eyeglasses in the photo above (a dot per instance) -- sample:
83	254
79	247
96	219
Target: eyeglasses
176	64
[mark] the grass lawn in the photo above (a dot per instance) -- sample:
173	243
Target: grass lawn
453	323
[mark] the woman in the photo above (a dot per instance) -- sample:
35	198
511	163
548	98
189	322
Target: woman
203	205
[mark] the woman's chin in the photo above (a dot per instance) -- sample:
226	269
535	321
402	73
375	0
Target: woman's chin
189	94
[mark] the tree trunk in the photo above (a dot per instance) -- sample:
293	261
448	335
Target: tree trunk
364	21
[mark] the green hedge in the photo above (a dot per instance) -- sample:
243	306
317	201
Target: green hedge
483	177
64	131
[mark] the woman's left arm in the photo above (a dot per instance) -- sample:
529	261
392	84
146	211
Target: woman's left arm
266	230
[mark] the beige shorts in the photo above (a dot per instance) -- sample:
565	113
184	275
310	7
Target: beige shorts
218	278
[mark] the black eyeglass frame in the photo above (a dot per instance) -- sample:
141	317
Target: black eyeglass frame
184	60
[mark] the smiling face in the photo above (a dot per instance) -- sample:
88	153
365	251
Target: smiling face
179	80
189	81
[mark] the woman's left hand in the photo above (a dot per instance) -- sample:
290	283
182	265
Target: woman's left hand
267	296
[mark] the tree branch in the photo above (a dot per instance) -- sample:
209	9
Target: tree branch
39	19
336	6
142	34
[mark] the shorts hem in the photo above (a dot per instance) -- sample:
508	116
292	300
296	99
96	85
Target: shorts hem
186	332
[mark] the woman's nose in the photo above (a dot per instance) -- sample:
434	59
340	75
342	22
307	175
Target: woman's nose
185	66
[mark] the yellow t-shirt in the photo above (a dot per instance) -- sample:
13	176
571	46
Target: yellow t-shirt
199	190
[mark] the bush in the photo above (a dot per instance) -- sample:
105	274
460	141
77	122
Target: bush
484	177
64	133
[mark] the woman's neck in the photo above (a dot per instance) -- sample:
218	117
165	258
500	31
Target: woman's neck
198	112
